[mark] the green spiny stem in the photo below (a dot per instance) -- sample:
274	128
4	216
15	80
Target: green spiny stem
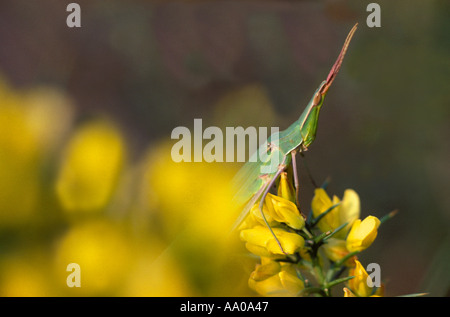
307	233
345	258
335	231
315	221
317	269
318	239
310	290
388	216
374	290
338	281
325	183
336	272
290	258
326	235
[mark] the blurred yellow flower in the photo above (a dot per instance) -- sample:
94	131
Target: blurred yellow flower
238	107
190	205
50	114
32	123
260	241
155	272
25	275
271	278
103	252
362	234
347	211
91	165
189	196
18	162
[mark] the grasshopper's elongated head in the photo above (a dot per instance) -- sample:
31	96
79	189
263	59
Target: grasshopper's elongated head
310	116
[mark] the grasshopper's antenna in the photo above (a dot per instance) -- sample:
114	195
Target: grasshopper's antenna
337	65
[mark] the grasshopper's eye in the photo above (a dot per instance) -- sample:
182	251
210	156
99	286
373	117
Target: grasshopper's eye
317	99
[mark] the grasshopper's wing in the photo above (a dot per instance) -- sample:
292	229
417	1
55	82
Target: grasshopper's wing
262	164
247	182
253	199
250	182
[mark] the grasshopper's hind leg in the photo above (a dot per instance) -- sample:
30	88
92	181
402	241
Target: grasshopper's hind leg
295	174
308	171
261	203
296	182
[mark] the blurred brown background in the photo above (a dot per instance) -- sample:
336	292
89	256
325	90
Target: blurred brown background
151	66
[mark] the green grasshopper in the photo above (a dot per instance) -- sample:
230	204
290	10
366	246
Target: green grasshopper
255	179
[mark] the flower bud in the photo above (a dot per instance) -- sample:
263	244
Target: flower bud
362	234
277	210
286	189
285	211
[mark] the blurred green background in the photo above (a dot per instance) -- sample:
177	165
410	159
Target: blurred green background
86	115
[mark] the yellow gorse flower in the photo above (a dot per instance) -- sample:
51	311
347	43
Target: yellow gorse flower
33	122
283	239
277	210
357	235
260	241
336	249
102	250
361	284
358	284
285	188
91	166
347	211
272	278
362	234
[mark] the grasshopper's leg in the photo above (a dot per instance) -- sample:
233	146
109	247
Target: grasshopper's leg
281	168
308	171
294	172
296	182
